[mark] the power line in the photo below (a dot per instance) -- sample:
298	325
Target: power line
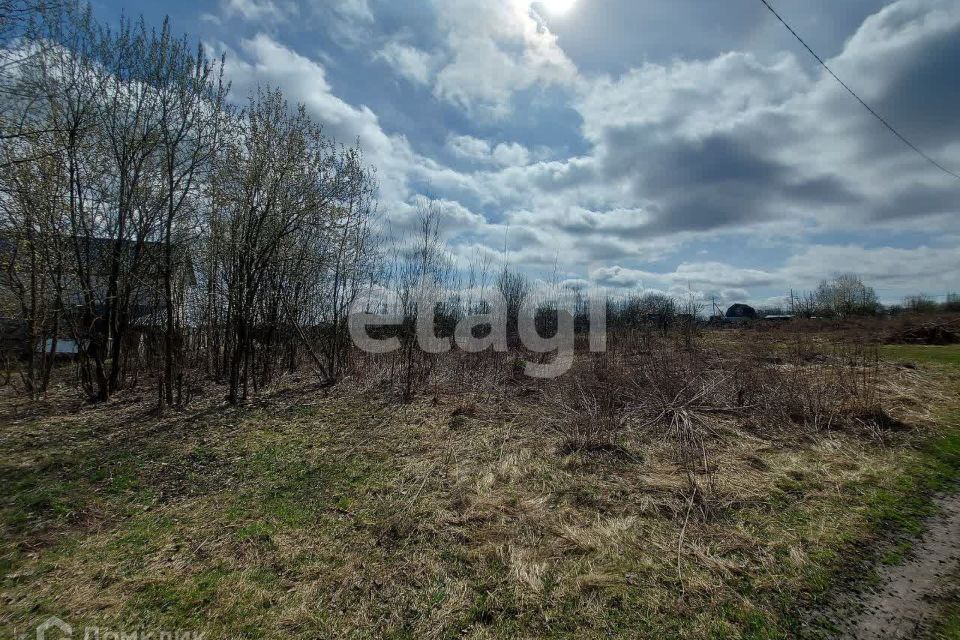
859	99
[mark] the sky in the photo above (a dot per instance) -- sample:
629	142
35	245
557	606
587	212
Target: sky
685	146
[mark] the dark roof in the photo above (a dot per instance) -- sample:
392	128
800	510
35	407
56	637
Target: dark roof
98	252
741	311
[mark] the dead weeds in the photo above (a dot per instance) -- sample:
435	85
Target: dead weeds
647	495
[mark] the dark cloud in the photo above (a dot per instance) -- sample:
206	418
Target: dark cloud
713	161
923	97
619	34
828	190
601	249
677	126
718	181
918	201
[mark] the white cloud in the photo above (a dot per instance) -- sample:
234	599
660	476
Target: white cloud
496	48
504	154
894	272
690	98
468	147
755	150
358	10
510	154
935	270
453	220
719	274
304	80
621	278
411	63
258	10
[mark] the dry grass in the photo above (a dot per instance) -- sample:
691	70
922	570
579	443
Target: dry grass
657	494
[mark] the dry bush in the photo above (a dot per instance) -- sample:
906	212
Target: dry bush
587	407
803	396
939	331
815	385
678	393
783	384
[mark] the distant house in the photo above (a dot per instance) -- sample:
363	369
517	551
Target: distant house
144	260
740	313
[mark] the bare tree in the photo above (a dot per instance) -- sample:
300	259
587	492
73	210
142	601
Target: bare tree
270	187
846	295
191	102
32	263
514	287
135	176
63	86
20	45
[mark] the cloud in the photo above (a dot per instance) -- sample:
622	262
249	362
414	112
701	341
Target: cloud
701	280
453	219
358	10
468	147
495	48
738	143
509	154
504	154
894	272
620	278
888	268
696	143
740	146
904	60
303	80
718	274
258	10
630	169
409	62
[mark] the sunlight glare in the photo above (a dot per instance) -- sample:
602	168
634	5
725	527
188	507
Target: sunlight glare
557	7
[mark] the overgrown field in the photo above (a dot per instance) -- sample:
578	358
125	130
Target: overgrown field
656	493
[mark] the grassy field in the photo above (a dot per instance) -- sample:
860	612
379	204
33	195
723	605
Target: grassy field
460	515
950	626
946	355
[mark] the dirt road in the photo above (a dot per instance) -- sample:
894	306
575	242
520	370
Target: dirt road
908	598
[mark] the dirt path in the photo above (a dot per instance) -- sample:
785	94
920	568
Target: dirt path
907	599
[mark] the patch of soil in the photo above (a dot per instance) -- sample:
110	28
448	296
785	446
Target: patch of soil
906	601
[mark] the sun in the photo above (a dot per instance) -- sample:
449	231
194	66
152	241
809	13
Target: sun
557	7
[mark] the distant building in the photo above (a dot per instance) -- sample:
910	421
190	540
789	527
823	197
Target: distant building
89	258
740	313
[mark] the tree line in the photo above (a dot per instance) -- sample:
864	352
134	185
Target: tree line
846	295
156	226
153	229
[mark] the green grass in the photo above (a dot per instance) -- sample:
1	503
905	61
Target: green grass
923	354
891	511
319	520
949	626
950	630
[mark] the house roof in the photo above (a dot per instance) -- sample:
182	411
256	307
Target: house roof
741	311
98	252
